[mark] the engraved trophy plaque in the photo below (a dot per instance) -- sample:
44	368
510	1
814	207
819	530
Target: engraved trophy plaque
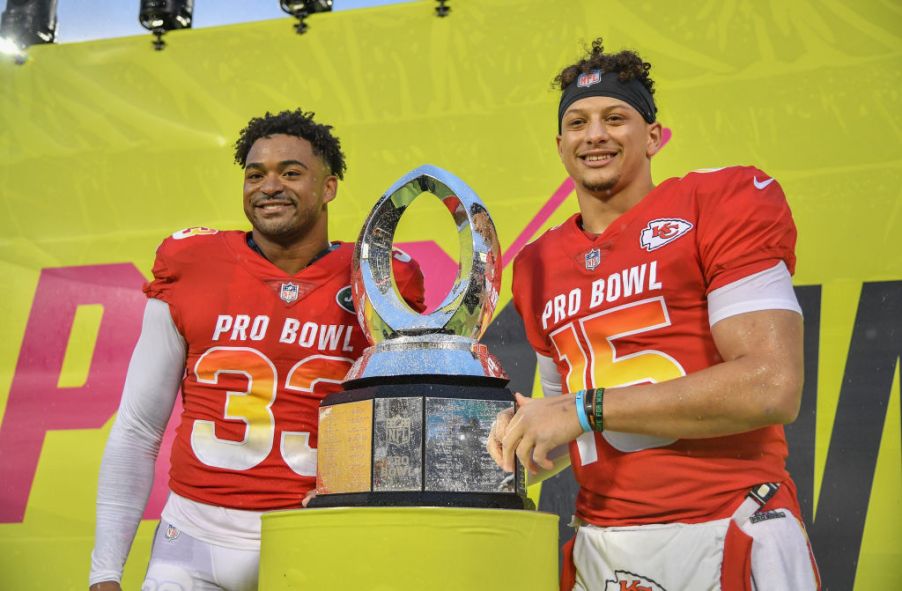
411	425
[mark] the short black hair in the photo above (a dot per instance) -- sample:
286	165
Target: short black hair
626	64
299	124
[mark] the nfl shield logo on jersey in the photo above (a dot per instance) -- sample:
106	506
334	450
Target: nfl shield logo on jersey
288	292
593	259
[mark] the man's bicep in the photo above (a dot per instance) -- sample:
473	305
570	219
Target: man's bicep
767	347
768	333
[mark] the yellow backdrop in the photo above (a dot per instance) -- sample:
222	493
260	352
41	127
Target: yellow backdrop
108	146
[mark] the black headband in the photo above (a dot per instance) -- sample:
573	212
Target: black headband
598	83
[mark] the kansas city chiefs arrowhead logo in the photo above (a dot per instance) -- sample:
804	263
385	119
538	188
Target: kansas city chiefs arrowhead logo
345	299
627	581
662	231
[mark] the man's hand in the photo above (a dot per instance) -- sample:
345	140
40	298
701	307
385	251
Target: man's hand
308	497
496	435
538	426
106	586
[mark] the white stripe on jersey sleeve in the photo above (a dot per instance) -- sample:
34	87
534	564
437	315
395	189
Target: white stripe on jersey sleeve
126	473
770	289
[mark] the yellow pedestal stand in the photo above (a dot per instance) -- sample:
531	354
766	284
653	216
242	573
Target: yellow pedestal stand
408	549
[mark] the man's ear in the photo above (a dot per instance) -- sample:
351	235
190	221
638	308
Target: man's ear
330	188
655	135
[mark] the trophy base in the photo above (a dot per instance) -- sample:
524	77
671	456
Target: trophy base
423	499
419	441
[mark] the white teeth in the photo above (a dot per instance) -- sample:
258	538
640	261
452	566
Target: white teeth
597	158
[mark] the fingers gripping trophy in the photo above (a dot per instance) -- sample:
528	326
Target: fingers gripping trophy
411	425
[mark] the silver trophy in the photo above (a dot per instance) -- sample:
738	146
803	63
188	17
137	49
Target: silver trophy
411	425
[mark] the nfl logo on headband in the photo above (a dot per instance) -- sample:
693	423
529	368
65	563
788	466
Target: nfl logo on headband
589	78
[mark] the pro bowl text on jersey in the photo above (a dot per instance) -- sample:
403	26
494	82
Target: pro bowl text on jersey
623	284
243	327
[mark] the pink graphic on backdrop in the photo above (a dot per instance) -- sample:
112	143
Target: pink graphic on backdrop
557	198
439	269
36	404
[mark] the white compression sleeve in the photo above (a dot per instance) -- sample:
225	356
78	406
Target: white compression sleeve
126	473
551	386
548	375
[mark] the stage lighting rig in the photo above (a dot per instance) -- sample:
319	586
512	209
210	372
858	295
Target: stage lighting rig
160	16
25	23
441	10
301	9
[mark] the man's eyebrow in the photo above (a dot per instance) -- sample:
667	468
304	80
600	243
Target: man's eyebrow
282	164
285	163
608	109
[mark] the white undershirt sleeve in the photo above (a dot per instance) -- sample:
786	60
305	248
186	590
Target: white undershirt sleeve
126	473
551	386
770	289
549	376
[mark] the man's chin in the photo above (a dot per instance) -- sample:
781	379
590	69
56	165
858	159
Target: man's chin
275	232
604	186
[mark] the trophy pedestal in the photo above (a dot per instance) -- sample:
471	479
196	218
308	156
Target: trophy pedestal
408	548
384	442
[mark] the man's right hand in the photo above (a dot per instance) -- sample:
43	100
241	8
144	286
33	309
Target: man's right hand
106	586
496	435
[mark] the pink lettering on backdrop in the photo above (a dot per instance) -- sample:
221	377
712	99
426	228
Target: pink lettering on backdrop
36	405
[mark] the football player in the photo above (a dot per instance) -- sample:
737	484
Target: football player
254	328
666	316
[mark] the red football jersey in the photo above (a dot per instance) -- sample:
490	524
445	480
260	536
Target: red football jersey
629	307
263	348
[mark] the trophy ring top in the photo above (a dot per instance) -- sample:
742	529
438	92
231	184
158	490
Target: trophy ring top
467	308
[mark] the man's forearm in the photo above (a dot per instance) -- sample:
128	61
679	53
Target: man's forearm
126	479
758	384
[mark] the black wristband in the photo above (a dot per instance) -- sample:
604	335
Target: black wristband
588	404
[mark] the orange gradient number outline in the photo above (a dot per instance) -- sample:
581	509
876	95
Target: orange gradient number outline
253	406
318	373
587	346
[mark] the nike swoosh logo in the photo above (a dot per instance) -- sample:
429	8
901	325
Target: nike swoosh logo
761	184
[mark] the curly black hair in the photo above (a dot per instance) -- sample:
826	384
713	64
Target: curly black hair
626	63
299	124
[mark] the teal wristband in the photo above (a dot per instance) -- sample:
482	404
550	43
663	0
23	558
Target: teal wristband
581	411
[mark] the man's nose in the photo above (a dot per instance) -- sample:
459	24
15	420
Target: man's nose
272	184
596	131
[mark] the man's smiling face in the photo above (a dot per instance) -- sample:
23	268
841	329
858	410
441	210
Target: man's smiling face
286	187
